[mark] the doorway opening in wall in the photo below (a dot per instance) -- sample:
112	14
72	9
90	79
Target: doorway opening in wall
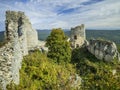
75	37
77	45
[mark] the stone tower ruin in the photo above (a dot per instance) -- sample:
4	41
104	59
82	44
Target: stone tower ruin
78	36
20	38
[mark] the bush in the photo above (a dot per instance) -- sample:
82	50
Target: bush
96	74
41	73
58	47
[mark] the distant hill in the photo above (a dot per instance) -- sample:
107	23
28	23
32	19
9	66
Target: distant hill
113	35
43	34
1	36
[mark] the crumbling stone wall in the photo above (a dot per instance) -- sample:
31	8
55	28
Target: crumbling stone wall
103	50
78	36
20	38
15	29
32	37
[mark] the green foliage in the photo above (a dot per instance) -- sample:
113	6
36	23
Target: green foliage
96	74
41	73
59	48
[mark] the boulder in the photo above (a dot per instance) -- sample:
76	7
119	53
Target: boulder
103	50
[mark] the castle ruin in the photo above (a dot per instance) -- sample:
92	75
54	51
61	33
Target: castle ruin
20	37
77	36
101	49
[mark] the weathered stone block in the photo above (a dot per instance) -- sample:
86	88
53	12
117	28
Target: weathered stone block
103	50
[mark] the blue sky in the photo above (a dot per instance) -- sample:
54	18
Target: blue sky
48	14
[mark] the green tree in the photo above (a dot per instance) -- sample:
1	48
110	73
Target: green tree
59	48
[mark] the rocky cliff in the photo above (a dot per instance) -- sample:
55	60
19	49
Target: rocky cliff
20	37
103	50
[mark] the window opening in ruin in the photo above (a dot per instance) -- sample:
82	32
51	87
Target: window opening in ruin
75	37
19	32
19	26
77	45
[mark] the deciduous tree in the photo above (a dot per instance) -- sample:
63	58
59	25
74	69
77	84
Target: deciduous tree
59	48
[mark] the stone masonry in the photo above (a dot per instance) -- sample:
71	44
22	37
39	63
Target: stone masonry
20	37
78	36
103	50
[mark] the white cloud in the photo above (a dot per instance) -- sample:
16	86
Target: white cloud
45	14
59	23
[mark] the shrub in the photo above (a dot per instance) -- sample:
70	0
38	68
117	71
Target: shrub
41	73
96	74
59	48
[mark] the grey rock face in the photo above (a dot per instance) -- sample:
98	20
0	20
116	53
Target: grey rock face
103	50
20	38
75	81
78	36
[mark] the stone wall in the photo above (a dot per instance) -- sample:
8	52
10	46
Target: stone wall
77	36
20	37
103	50
31	35
15	29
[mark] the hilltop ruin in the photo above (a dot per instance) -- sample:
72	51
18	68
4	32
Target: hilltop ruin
20	37
78	36
101	49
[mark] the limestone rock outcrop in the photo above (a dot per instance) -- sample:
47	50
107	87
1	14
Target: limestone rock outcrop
75	81
103	50
20	37
78	36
